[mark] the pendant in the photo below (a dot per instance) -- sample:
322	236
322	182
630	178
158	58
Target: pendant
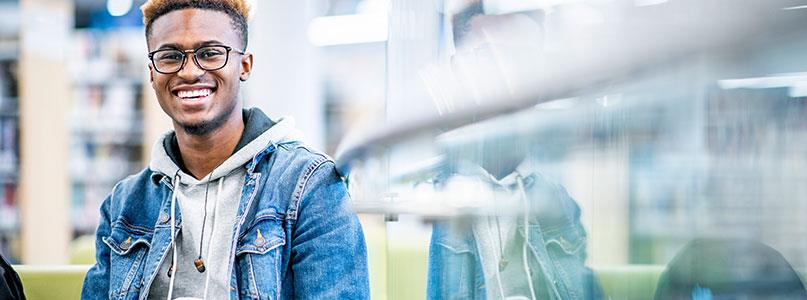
200	265
502	264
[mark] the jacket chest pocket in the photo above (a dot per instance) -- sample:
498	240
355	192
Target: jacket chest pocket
128	249
566	248
258	257
453	264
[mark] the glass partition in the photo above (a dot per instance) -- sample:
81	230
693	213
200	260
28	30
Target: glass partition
589	150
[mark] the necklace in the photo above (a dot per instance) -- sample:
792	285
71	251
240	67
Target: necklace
502	260
199	262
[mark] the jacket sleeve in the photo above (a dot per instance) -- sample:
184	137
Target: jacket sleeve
96	283
328	254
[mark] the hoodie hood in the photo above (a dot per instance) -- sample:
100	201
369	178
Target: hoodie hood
283	131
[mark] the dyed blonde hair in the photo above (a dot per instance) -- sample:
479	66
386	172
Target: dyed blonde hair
238	10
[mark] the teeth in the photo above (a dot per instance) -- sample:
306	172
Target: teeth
194	93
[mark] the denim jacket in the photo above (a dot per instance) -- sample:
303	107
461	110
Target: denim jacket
556	249
310	244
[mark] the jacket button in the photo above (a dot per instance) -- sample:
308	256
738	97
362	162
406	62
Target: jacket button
259	241
126	244
163	218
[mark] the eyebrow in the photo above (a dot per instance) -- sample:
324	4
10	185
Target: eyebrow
197	45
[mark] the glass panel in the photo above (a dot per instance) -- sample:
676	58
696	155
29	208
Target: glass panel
590	149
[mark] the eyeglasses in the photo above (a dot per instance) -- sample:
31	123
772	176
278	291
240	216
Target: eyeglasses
208	58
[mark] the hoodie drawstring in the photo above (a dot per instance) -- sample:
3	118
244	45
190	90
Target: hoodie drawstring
172	271
526	220
212	230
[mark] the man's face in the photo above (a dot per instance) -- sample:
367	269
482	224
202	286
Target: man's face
198	101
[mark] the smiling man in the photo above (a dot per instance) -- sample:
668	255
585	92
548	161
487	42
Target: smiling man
232	204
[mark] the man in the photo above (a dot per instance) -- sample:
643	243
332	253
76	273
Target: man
232	205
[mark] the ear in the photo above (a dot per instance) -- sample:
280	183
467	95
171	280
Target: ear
151	73
246	66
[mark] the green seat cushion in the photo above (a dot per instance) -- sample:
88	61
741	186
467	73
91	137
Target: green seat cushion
618	282
52	282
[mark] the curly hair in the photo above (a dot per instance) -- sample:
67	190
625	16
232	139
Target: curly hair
238	10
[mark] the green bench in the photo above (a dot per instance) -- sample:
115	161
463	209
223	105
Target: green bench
52	282
64	282
405	274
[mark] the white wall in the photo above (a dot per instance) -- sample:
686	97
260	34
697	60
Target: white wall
286	78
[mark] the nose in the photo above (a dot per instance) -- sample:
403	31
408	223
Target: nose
190	71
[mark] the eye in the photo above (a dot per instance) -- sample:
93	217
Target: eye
209	53
168	56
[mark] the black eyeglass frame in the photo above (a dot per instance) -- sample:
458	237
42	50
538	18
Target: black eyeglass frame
195	59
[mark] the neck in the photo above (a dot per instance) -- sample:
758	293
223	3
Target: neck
203	153
503	167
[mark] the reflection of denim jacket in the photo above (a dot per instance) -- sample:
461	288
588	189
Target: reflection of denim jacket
556	250
310	244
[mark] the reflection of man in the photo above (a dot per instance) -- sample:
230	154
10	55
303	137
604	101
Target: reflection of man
232	204
496	56
535	252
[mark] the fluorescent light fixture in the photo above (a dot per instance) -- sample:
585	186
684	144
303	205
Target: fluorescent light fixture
796	82
513	6
118	8
348	29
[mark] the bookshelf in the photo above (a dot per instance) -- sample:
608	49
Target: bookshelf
105	119
9	131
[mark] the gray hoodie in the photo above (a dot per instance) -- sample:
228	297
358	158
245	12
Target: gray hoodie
221	189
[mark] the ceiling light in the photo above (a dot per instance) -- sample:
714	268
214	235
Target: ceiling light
118	8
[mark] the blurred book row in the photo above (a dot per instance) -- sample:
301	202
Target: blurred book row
9	130
106	125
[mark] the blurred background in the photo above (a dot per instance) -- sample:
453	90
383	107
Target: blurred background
664	126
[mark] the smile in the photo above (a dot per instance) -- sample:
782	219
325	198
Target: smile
194	94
